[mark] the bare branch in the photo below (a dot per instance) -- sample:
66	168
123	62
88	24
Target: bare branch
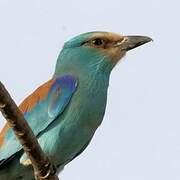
43	169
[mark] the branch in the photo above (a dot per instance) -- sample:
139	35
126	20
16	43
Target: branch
43	169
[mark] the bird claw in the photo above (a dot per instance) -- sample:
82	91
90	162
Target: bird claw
51	171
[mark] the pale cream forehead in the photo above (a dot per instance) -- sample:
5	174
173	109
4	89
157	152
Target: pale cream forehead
107	35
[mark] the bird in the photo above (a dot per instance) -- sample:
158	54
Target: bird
65	112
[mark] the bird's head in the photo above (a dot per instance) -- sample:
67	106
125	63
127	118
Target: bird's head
96	51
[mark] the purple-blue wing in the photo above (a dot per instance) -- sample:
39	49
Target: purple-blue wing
40	109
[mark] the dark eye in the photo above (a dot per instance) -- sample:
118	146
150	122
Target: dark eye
98	42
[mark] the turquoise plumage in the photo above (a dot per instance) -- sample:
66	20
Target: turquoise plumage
58	97
65	112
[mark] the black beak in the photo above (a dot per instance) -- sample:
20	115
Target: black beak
131	42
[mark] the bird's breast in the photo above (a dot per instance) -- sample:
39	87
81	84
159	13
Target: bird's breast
89	106
79	122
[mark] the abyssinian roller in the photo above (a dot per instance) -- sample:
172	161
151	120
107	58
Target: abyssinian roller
65	112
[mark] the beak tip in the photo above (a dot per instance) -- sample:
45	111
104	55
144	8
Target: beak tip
136	41
144	39
149	39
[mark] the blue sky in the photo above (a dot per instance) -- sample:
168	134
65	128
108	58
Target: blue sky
139	138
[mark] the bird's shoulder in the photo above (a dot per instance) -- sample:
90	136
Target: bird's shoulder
38	95
50	98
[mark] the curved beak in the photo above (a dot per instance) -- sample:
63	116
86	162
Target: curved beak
131	42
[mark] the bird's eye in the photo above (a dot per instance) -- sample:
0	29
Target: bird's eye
98	42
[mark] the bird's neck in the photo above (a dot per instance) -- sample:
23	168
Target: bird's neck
90	67
91	92
95	82
88	79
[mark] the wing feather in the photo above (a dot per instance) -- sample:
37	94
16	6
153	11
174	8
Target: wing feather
40	109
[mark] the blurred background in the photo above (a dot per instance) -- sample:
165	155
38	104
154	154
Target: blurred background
139	138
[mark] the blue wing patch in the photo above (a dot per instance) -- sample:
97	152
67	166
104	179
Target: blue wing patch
65	85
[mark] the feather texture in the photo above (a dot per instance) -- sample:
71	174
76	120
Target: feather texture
40	109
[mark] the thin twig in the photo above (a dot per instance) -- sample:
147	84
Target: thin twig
43	169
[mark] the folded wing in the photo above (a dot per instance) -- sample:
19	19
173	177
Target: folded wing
40	109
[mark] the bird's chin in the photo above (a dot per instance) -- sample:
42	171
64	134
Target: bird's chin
116	58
